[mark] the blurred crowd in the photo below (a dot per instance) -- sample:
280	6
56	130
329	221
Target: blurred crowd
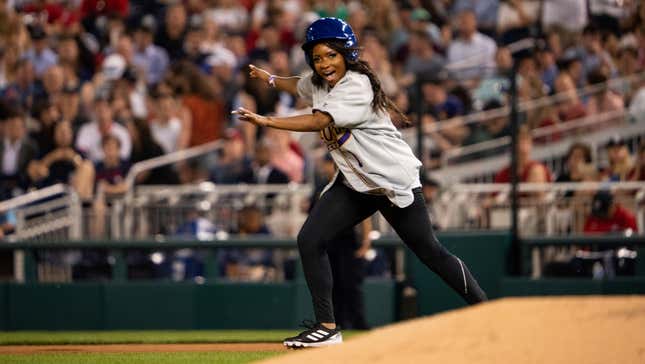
88	88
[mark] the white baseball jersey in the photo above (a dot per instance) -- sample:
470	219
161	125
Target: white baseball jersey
366	146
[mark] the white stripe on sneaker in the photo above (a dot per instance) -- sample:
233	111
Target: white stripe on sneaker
312	338
323	332
317	335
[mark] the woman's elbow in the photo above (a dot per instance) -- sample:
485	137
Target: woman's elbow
321	120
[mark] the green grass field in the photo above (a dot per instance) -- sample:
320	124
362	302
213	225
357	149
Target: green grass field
138	358
143	337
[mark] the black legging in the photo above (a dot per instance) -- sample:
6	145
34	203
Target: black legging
340	208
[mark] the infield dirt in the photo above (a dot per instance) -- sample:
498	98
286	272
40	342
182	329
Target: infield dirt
591	329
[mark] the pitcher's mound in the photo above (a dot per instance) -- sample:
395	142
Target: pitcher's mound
588	329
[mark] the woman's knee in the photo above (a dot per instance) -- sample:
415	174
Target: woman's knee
309	241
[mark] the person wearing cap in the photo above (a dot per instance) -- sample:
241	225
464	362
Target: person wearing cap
608	216
377	170
620	162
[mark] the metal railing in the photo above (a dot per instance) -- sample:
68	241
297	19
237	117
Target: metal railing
150	164
52	213
41	213
549	209
163	210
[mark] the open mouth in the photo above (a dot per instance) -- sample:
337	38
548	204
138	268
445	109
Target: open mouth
329	75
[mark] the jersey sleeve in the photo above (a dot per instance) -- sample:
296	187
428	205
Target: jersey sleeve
306	89
349	103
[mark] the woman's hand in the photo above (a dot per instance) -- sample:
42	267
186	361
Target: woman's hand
251	117
256	72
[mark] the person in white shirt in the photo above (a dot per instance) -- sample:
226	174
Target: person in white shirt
472	53
377	170
166	129
88	139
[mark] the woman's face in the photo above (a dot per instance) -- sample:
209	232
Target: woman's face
63	134
576	158
329	64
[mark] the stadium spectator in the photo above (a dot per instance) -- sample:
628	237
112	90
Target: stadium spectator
286	154
89	139
570	16
233	162
528	169
627	66
112	169
16	151
63	164
193	51
422	59
172	33
262	170
577	164
638	172
22	88
472	53
375	54
620	162
47	115
144	147
149	58
229	15
167	127
608	216
53	82
547	67
516	19
570	106
490	128
78	59
248	264
606	100
199	97
40	54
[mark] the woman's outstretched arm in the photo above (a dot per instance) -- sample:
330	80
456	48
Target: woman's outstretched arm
309	122
288	84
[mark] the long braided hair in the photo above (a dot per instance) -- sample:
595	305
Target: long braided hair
380	102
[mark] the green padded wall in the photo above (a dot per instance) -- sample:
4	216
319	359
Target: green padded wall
153	305
483	252
54	306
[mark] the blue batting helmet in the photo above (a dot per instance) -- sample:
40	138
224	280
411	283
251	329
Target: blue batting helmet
326	29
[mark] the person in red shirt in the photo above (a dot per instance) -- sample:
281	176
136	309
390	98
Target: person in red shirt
528	170
93	8
608	216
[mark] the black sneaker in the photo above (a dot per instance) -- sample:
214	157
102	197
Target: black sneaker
315	336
